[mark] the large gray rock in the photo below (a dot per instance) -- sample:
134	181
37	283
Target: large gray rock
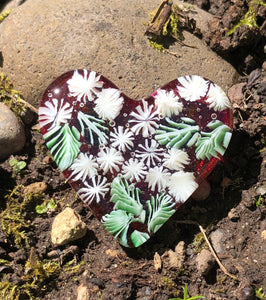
41	39
12	135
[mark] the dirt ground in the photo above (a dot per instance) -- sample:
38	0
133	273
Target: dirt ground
31	267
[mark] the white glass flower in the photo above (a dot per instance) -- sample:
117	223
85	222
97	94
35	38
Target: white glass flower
83	166
122	138
157	177
167	103
110	159
193	87
144	119
175	159
108	103
55	113
181	185
84	87
217	98
98	188
149	153
134	169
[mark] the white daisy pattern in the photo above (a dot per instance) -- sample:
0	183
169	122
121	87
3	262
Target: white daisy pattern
108	104
217	98
181	185
134	170
145	119
84	165
55	113
167	103
94	191
175	159
150	153
123	139
110	160
84	87
157	177
193	87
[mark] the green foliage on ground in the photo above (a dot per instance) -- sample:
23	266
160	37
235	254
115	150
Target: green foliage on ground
250	18
11	97
185	297
13	221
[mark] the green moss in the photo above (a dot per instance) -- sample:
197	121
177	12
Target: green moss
32	283
3	15
198	242
157	46
168	283
72	267
250	18
4	262
11	97
13	219
170	30
11	291
259	294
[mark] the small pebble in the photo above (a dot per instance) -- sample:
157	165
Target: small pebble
226	182
205	262
67	227
12	134
217	241
261	190
83	292
35	188
233	214
263	235
246	293
236	95
177	257
157	262
202	192
112	253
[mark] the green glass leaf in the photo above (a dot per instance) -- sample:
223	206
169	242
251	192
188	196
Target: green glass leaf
138	237
64	144
177	134
126	197
117	223
214	142
94	126
160	210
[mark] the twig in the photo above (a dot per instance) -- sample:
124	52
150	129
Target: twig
209	245
172	53
25	103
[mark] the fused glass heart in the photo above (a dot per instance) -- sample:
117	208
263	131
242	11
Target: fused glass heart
134	162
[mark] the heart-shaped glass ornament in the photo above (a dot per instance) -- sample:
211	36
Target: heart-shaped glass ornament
134	162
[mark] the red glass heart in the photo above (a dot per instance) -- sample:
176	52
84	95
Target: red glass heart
134	162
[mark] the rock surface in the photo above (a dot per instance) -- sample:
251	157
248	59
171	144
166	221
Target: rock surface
205	262
217	239
67	227
11	4
107	37
12	135
177	257
35	188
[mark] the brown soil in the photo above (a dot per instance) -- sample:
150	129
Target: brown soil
236	206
